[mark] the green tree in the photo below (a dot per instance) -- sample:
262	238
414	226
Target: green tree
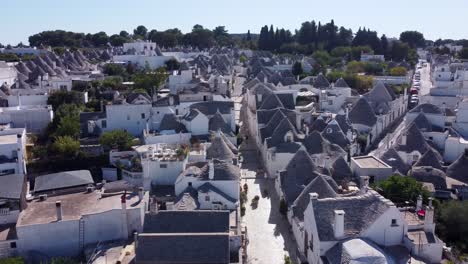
59	98
172	65
12	260
114	69
297	68
463	54
117	40
100	39
68	126
124	34
140	31
65	146
120	139
398	71
401	188
150	80
200	37
414	39
400	51
384	44
242	59
452	224
221	36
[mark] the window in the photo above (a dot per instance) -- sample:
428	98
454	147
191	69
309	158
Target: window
104	123
394	222
329	130
190	184
142	115
163	166
330	102
128	117
13	245
177	111
207	198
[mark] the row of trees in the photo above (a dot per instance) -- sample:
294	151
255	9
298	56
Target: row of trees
199	37
313	36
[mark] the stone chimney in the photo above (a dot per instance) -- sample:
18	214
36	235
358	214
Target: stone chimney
211	169
419	203
58	207
338	225
19	143
135	239
153	207
429	225
141	193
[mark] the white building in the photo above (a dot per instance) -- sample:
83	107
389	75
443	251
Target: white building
12	151
370	166
33	118
216	183
8	74
78	219
142	53
161	163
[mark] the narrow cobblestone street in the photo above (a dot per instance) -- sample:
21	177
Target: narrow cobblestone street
269	234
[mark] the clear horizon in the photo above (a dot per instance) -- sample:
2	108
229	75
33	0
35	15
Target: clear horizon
26	18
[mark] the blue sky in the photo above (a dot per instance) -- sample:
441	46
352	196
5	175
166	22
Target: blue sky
436	19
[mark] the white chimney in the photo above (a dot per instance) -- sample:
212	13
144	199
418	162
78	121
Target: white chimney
419	203
123	199
259	98
364	183
58	207
265	80
313	196
429	225
211	169
19	143
338	226
403	139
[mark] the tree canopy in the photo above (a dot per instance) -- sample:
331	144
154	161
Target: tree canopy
120	139
400	189
414	39
452	224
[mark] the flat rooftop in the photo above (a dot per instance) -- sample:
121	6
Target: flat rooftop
370	162
419	237
8	139
411	218
74	206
